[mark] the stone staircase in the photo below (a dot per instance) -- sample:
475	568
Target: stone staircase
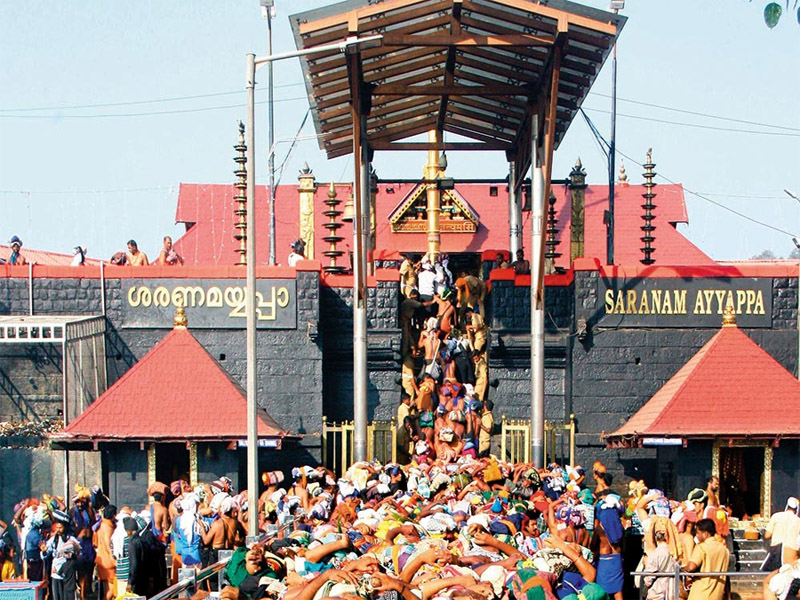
747	556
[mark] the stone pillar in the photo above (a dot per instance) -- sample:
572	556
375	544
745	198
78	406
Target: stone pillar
577	188
307	190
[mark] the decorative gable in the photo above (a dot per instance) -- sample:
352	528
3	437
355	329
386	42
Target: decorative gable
411	215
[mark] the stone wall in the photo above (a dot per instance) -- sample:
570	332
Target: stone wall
615	371
383	345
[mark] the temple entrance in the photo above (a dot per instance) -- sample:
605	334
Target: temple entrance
172	462
469	262
744	473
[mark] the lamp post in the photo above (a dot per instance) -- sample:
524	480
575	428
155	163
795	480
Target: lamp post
253	63
797	245
268	12
616	6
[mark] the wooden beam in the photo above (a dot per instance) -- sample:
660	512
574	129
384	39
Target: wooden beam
450	62
379	109
552	124
465	39
552	13
393	89
454	146
494	108
479	122
342	129
469	133
342	18
375	74
369	53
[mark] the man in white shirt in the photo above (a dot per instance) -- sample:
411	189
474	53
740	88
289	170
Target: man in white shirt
782	532
426	282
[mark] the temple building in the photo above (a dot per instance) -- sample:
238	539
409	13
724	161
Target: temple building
626	344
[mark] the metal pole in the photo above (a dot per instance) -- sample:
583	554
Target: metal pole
271	145
30	288
65	407
514	212
537	300
250	306
360	373
612	150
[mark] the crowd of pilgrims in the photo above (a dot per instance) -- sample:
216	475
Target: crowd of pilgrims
473	528
449	520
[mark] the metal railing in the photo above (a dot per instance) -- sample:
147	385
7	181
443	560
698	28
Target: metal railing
677	575
515	440
337	443
188	578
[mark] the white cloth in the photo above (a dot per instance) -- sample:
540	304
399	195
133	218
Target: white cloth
426	282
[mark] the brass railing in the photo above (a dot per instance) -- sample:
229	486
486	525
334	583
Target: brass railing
337	443
515	440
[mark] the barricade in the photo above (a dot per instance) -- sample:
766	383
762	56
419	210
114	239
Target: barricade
337	443
559	441
677	575
21	590
188	579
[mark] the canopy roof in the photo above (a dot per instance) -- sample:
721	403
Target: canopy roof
176	392
723	391
476	68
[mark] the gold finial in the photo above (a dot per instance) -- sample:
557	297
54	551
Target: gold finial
729	318
332	191
649	155
180	321
623	176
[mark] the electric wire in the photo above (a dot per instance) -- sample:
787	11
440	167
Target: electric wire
696	113
595	132
695	125
140	102
145	114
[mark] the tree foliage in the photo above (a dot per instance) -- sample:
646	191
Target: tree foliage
773	12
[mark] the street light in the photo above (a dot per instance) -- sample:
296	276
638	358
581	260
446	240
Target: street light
268	12
253	63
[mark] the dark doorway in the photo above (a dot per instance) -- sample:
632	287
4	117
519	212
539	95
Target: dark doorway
468	262
741	471
172	462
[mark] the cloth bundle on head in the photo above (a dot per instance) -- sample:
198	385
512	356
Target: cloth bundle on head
496	576
81	493
157	488
60	516
608	512
218	485
697	496
438	523
667	527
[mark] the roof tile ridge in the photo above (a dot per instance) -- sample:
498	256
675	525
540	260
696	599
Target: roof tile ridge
705	351
125	376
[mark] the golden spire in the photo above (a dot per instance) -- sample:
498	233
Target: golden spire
623	176
240	198
729	318
180	321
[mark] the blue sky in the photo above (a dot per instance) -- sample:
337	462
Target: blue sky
100	175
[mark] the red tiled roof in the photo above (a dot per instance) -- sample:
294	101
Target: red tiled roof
723	390
208	212
176	391
43	257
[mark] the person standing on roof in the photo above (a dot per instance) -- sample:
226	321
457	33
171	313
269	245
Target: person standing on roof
168	256
298	252
15	258
134	256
